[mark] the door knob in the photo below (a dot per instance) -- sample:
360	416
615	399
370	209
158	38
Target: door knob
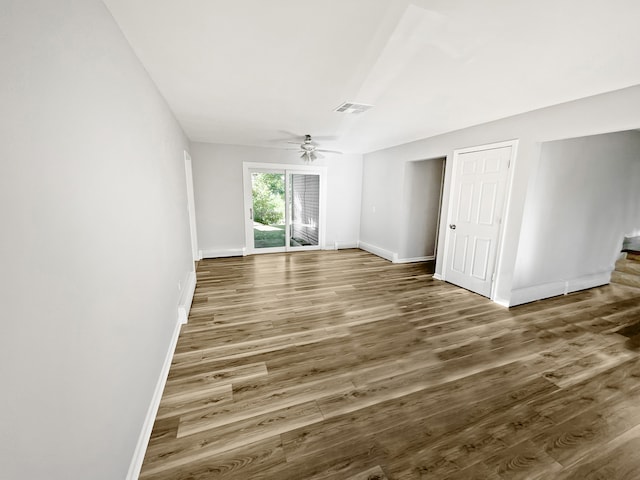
452	226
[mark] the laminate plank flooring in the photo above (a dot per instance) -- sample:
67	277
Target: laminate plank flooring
343	366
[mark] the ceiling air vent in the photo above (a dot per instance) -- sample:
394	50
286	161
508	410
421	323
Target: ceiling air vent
352	107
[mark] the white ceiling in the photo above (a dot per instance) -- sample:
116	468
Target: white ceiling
249	71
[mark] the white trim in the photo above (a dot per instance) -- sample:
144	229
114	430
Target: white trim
505	217
437	276
505	208
223	252
501	302
440	202
286	169
344	245
186	298
415	259
554	289
588	281
147	427
191	207
488	146
380	252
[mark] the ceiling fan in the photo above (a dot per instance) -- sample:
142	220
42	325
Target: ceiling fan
309	150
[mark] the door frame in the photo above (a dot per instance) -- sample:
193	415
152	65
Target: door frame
505	207
248	203
191	206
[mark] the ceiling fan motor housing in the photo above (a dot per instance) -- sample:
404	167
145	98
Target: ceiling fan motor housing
307	146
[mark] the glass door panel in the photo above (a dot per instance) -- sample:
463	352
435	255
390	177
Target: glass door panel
304	206
284	210
269	211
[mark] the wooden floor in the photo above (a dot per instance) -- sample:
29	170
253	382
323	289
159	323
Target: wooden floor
341	365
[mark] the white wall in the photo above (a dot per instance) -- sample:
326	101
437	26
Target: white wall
584	198
421	206
610	112
94	241
217	171
382	195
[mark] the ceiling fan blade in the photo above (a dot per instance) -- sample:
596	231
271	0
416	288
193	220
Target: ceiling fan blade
296	138
326	138
312	156
286	136
290	134
328	151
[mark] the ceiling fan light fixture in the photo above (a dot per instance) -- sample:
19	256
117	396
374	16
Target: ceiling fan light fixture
309	156
309	150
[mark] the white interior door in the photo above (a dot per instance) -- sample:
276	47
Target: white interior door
475	217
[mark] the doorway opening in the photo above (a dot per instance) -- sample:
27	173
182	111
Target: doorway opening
423	185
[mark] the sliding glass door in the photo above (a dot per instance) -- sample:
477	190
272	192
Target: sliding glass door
284	209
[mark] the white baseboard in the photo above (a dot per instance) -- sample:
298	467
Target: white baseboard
415	259
345	245
437	276
501	302
147	427
223	252
186	298
553	289
381	252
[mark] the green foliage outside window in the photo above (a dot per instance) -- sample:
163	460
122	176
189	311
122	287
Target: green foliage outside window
268	198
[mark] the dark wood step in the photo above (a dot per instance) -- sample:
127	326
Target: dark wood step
630	279
628	265
633	255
